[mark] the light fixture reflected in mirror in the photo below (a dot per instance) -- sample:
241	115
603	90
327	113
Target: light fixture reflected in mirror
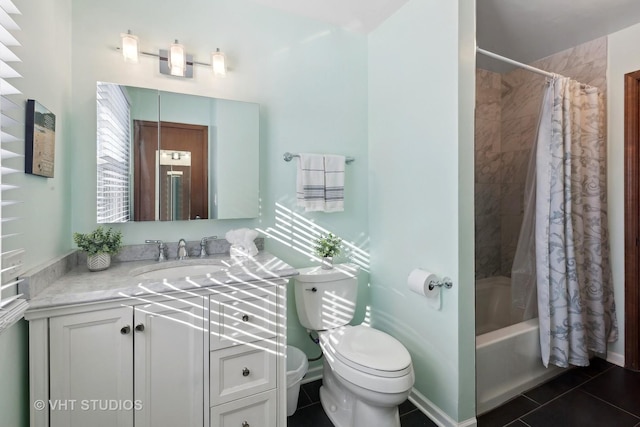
129	47
174	61
218	63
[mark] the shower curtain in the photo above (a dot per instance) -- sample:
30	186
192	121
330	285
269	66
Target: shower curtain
567	226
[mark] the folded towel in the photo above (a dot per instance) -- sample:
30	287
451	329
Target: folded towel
310	182
334	183
242	241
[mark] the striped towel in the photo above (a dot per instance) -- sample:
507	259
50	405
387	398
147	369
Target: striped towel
310	182
320	183
334	183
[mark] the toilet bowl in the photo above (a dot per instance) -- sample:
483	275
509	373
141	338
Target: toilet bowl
366	375
366	372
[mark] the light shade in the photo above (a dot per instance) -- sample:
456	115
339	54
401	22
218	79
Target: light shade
129	47
218	64
177	59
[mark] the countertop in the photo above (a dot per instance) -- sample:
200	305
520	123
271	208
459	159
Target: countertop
80	286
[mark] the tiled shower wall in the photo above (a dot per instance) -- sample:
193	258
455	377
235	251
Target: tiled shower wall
488	173
507	109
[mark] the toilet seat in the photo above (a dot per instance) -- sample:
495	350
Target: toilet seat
369	358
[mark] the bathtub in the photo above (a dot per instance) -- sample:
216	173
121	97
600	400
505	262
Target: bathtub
507	353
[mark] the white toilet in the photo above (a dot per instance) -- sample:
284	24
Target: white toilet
367	373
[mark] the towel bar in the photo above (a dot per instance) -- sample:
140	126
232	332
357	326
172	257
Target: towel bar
288	156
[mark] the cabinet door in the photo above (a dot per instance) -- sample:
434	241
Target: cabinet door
169	363
91	369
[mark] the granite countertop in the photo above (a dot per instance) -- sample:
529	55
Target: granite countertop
80	286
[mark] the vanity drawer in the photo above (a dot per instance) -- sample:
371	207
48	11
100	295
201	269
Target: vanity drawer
256	411
243	316
240	371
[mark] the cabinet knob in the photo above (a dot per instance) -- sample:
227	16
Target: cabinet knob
245	317
140	327
245	424
125	330
246	372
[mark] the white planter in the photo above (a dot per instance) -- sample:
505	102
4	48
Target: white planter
98	262
327	263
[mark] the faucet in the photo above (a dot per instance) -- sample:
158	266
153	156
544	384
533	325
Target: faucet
161	247
203	245
182	249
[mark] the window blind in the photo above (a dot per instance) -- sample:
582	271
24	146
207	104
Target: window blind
12	113
114	135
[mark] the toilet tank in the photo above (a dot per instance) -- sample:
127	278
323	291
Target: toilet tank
326	299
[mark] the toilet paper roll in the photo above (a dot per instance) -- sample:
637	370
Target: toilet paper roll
418	282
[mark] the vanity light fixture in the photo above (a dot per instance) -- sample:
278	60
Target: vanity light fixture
177	59
173	61
218	63
129	47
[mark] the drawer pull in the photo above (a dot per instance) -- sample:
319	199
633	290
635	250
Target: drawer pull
245	317
245	424
140	327
246	372
125	330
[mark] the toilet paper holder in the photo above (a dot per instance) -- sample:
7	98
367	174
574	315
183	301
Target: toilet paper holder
446	282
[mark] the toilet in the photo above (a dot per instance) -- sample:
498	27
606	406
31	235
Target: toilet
366	373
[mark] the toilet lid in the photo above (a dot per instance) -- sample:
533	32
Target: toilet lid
370	349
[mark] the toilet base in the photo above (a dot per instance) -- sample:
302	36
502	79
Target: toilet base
346	409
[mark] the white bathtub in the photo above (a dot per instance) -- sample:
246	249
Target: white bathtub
507	355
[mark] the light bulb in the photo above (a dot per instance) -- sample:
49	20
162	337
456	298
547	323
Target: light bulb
218	64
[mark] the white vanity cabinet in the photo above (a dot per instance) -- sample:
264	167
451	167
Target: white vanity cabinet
210	357
139	365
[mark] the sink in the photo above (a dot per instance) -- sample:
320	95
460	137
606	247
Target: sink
176	270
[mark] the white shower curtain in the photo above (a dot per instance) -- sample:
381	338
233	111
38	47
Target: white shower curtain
575	294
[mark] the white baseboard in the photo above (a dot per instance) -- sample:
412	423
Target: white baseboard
436	414
615	358
313	374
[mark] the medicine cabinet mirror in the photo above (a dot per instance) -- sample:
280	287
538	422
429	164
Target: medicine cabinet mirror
164	156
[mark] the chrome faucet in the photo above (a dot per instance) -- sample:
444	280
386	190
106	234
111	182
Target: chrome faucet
182	249
203	245
161	247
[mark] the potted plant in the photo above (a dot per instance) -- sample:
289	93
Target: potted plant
327	247
99	246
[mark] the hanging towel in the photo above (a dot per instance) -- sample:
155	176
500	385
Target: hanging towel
310	182
334	183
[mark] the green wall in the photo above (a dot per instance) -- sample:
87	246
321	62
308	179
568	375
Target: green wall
14	371
419	123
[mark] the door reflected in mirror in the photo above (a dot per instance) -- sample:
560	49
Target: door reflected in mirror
168	156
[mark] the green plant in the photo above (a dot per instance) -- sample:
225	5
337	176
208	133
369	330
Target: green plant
99	241
327	246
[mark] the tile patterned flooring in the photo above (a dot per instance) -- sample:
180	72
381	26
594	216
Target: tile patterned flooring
311	414
601	395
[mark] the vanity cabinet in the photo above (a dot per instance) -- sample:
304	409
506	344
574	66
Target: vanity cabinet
212	357
136	365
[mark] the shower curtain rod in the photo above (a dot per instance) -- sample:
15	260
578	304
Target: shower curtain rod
516	63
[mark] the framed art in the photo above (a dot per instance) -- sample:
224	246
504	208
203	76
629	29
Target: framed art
40	140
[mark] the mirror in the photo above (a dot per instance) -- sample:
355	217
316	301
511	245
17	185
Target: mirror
164	156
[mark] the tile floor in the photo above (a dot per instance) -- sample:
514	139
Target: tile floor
311	414
601	395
